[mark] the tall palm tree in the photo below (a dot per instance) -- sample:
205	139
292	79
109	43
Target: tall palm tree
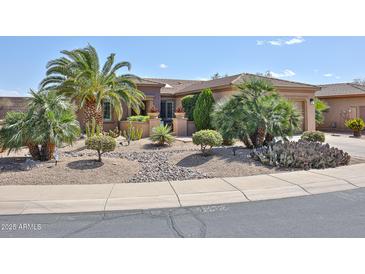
78	76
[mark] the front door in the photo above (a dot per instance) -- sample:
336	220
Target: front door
167	111
299	105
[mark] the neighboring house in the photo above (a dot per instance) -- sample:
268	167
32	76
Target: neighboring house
166	95
346	101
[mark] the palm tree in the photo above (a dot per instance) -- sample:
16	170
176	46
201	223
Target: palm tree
50	121
256	114
320	108
78	76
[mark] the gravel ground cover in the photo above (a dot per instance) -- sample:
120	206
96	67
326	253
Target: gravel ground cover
141	161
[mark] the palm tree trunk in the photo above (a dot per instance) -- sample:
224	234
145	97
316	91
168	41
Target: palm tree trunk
34	151
260	136
91	111
47	151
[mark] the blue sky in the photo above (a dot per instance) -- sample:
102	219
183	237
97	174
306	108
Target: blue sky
313	60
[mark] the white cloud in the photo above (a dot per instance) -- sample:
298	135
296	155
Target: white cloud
338	77
202	79
328	75
284	74
10	93
281	42
163	66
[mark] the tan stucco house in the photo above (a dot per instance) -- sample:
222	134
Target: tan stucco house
346	101
166	95
174	90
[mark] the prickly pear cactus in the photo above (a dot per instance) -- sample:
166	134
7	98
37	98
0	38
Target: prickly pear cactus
304	155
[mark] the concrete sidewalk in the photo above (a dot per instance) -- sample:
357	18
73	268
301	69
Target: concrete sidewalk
30	199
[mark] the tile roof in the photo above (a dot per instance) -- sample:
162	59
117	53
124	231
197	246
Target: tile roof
175	86
340	89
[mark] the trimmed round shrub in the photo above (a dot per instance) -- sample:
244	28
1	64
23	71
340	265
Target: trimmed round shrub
101	143
188	102
207	139
313	136
203	109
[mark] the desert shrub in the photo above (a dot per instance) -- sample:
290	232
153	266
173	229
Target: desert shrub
228	142
188	103
313	136
203	109
92	128
101	143
132	133
356	125
138	118
207	139
303	155
113	133
162	135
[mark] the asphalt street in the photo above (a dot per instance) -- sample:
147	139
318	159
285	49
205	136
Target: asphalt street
337	214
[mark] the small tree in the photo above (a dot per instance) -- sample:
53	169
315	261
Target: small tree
101	143
203	108
320	108
188	102
207	139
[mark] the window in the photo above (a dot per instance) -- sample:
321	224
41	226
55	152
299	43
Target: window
107	111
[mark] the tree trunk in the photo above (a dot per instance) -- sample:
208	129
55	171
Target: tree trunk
47	151
247	141
259	136
34	151
99	156
92	111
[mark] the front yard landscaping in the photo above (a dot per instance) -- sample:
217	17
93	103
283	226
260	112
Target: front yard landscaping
141	161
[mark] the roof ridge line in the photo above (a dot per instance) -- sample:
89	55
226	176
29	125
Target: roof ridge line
294	82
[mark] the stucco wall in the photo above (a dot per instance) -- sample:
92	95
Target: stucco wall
12	104
302	95
339	111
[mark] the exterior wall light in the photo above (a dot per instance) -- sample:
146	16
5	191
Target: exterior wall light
311	100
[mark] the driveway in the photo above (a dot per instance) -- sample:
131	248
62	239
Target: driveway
354	146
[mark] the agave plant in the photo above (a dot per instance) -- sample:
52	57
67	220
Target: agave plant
78	76
162	135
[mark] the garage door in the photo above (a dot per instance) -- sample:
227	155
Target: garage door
299	105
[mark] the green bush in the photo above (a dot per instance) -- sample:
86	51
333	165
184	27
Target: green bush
113	133
207	139
203	109
303	155
162	135
101	144
228	142
188	103
313	136
138	118
356	125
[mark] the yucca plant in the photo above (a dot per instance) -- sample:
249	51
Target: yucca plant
78	76
92	129
162	135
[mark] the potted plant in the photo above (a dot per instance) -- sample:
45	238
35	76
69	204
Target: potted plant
153	112
180	113
356	125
